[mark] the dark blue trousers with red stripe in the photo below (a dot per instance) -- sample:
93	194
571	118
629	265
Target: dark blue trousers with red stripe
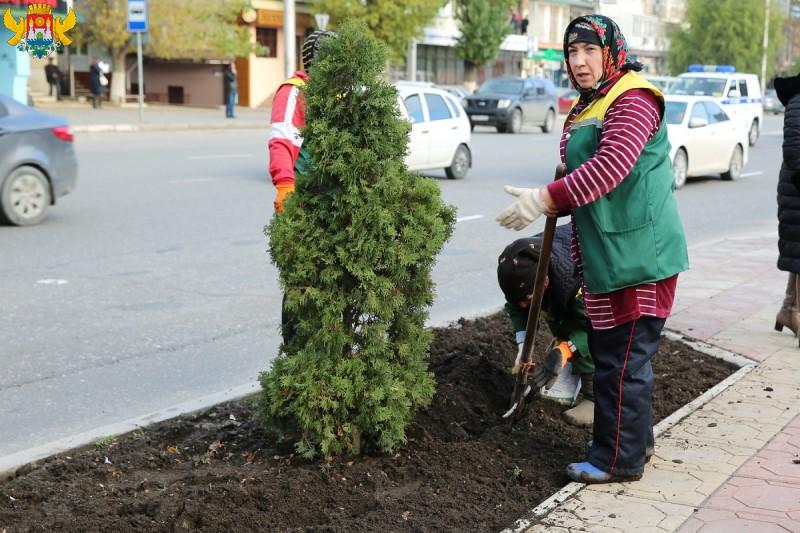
623	391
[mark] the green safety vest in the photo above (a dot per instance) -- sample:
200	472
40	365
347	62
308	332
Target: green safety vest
633	234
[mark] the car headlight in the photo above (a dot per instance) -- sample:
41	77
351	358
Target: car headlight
505	102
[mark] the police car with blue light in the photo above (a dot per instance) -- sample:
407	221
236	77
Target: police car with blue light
738	93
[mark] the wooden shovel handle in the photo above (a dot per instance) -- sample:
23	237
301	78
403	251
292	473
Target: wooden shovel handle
535	308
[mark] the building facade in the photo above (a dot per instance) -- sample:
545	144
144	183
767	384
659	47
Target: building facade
437	62
646	25
261	74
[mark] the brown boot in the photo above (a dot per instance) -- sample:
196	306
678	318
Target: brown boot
788	316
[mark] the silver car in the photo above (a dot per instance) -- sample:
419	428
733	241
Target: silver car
37	162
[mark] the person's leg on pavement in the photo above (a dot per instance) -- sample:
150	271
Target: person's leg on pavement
50	91
582	415
788	315
623	396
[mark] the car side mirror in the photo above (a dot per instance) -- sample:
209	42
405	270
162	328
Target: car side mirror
734	93
697	122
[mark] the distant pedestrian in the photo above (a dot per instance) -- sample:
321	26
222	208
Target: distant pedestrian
788	91
231	91
96	85
523	25
53	74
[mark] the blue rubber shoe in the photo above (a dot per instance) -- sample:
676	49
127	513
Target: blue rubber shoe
588	473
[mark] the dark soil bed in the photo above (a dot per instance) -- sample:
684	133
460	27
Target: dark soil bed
463	469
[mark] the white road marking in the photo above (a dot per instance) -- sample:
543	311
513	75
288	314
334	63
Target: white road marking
470	217
218	156
52	282
751	174
204	180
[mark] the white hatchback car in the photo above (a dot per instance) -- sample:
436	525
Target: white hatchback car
704	139
440	132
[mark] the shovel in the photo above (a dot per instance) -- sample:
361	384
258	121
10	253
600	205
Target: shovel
521	387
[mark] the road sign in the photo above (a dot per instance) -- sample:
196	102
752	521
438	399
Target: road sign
137	15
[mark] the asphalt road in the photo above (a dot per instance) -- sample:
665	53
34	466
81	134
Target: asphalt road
150	285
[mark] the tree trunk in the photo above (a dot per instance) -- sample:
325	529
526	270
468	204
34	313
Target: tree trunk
470	76
118	81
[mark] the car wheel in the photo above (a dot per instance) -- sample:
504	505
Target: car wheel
460	165
735	166
515	122
549	121
25	196
501	128
681	167
753	135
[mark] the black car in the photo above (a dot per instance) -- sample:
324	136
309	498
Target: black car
509	103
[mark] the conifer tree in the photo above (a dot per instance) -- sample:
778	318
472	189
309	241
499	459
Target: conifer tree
355	246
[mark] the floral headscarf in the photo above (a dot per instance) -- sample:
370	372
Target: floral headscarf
615	52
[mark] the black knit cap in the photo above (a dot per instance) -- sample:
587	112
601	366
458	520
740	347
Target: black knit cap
516	268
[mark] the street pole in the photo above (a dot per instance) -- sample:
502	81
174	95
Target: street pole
764	49
140	68
289	25
411	60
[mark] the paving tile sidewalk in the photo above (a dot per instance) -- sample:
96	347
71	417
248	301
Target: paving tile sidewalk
84	119
728	466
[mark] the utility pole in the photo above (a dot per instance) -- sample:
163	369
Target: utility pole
765	45
289	26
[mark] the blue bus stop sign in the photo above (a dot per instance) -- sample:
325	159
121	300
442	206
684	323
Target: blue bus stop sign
137	15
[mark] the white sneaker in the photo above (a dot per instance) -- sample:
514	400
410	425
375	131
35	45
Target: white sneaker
566	388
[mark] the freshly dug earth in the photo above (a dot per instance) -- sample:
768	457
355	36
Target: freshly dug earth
463	469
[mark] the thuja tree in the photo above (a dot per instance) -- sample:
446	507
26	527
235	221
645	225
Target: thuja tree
355	246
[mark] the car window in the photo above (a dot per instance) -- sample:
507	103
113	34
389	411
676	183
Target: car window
743	87
437	108
715	112
414	106
699	86
699	111
674	112
455	107
502	86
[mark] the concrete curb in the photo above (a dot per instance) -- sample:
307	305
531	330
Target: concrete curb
128	128
11	463
746	366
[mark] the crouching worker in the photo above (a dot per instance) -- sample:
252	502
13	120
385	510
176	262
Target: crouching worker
567	368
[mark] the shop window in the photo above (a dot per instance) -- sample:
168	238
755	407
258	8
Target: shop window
268	39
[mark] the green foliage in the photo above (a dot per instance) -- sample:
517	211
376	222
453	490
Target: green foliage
201	29
728	32
483	24
394	22
355	246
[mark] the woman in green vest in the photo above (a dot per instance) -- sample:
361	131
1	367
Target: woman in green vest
628	243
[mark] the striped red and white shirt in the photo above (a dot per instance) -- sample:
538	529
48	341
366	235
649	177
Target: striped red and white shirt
288	118
630	122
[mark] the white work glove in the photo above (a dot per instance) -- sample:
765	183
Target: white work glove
524	211
518	360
